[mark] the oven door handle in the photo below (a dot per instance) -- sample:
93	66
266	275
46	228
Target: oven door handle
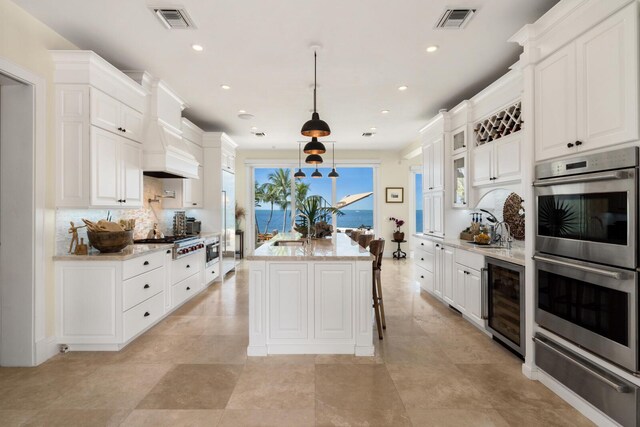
617	386
601	271
604	176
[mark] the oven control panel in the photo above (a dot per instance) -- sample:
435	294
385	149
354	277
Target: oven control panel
617	159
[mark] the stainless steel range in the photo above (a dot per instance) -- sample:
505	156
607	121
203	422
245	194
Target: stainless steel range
182	245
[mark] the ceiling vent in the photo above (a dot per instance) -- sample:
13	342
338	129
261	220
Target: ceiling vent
173	19
368	134
259	134
455	18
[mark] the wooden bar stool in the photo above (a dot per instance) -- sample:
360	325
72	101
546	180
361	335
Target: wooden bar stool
365	239
376	247
355	235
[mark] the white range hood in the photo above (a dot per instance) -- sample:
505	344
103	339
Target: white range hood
165	153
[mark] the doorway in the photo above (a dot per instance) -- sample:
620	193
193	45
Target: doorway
22	174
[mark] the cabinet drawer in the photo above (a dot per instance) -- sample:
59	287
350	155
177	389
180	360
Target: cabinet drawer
185	267
469	259
142	264
425	279
142	287
424	260
143	315
425	245
211	273
184	290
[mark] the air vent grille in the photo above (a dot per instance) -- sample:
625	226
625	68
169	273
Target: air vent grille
455	18
368	134
259	134
173	19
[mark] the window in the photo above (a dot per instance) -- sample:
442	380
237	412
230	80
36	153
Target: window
417	200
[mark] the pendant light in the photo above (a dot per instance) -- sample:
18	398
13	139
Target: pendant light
314	147
316	174
334	173
299	174
315	127
313	159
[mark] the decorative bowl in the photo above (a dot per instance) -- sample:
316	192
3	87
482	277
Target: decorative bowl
110	241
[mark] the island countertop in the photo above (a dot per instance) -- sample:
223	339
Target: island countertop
131	251
339	248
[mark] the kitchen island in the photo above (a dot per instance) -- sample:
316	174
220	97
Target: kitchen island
310	298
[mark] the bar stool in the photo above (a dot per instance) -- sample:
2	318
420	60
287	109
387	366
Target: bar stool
365	239
355	235
376	247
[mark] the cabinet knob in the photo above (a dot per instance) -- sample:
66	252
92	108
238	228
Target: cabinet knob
194	204
168	251
120	129
146	286
570	145
124	200
145	263
421	244
578	143
147	314
421	259
213	272
422	277
437	246
188	266
188	288
124	130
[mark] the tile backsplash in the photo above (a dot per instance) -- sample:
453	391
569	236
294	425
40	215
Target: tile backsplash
146	216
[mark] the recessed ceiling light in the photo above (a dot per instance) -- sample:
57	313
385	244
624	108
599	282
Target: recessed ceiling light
245	116
374	129
432	49
385	111
254	128
241	111
403	88
225	87
197	47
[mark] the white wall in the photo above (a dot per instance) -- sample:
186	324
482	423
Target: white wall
393	171
25	41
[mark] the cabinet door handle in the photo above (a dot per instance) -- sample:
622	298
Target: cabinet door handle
124	200
570	145
147	314
124	130
188	288
188	266
146	286
145	263
421	244
578	143
168	251
120	129
194	204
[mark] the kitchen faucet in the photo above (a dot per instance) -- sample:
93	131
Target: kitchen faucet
505	242
308	226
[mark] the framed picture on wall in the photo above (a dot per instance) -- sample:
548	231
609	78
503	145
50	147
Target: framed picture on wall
395	194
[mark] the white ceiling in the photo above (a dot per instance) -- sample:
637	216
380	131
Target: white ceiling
262	50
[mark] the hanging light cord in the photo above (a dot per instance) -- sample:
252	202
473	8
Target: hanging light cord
315	77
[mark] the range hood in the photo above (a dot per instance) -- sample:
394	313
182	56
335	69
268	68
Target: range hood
165	153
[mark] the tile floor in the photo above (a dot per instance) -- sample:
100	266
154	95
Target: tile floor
432	369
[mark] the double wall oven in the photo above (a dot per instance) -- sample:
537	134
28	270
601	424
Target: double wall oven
586	253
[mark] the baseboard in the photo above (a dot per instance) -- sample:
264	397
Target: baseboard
257	350
46	348
597	417
529	371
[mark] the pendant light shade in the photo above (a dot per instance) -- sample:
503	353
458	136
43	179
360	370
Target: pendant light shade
315	127
313	159
333	173
316	174
314	147
299	174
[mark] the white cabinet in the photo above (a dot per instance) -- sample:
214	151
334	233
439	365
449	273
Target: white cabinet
459	289
288	286
497	162
433	164
468	287
433	213
110	114
473	296
116	170
228	161
586	94
333	287
460	180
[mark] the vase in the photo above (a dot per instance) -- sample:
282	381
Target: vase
398	235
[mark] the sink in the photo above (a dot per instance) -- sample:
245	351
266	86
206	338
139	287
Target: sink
289	243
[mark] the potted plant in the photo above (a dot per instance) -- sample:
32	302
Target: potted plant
397	234
318	210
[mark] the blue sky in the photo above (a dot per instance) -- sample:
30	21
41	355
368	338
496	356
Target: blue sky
351	181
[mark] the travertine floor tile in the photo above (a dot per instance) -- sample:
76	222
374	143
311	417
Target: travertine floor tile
457	418
329	415
119	386
179	325
226	325
15	417
268	418
545	417
208	349
193	387
173	418
77	418
274	386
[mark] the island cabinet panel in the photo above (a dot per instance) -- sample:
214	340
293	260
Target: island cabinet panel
333	286
288	308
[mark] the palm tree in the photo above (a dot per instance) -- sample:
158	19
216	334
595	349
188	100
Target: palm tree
271	197
302	189
258	192
280	179
317	209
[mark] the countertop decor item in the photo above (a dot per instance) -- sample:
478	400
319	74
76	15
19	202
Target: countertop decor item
394	194
315	127
513	213
73	230
110	241
154	233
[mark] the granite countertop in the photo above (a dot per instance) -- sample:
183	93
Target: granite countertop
514	255
131	251
339	248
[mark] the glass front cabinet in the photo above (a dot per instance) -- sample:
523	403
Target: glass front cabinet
460	169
